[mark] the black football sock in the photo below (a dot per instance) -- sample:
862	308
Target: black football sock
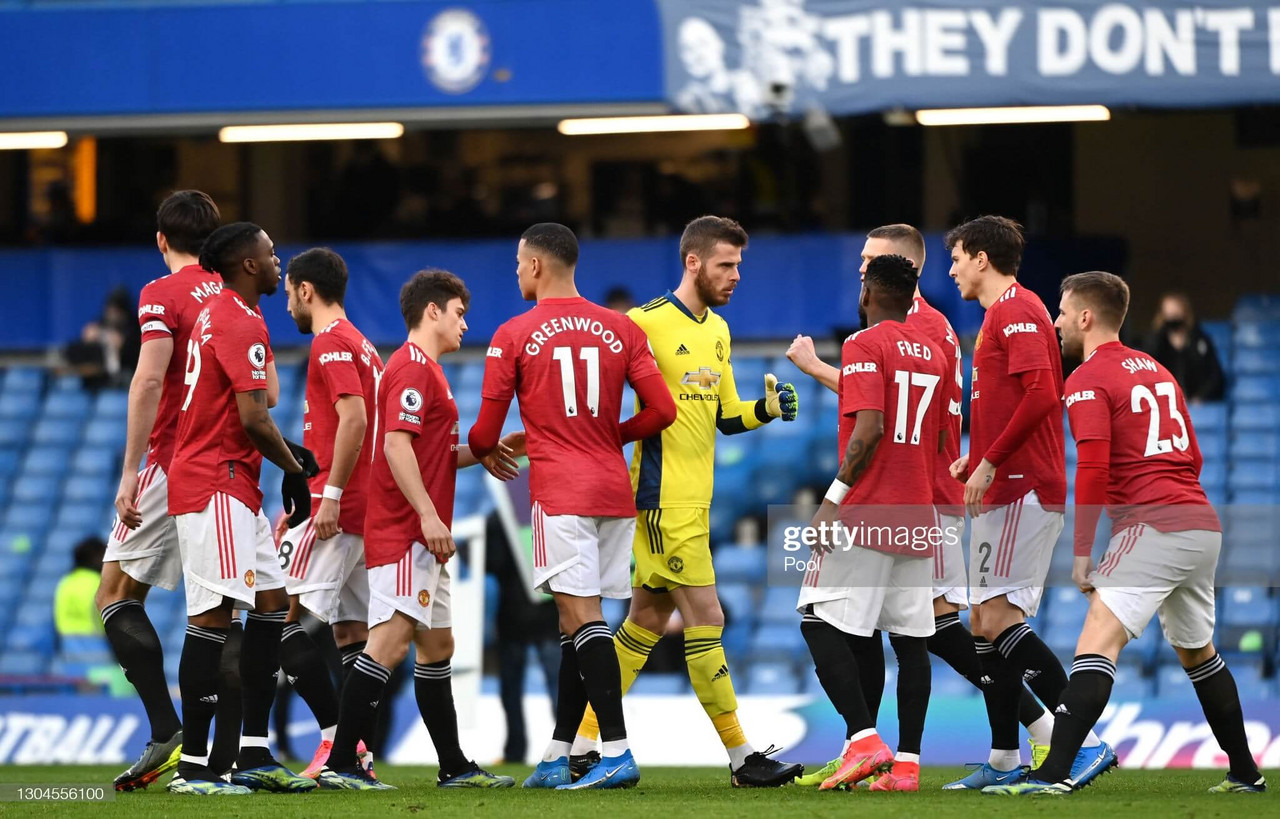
433	689
915	681
137	649
303	666
226	733
953	644
571	694
1036	663
1220	700
1000	688
602	678
357	715
869	654
198	684
259	664
349	653
1092	676
837	670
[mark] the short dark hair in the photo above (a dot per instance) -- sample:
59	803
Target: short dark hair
1000	237
324	270
186	218
227	246
88	554
892	279
702	235
555	239
904	235
1106	294
430	286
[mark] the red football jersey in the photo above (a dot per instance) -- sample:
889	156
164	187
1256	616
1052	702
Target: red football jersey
228	354
168	308
1129	399
413	397
342	362
1017	336
897	370
566	361
948	493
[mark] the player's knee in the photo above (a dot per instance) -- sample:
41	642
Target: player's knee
115	586
348	632
296	609
271	600
435	648
912	652
1192	657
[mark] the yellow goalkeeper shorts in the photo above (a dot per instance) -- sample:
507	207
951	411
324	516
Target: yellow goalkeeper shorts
672	547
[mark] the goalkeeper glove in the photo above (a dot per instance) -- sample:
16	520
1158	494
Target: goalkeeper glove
297	498
780	400
304	456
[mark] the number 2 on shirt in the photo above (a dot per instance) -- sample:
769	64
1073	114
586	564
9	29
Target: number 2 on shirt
568	382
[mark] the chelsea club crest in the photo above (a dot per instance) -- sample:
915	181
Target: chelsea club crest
455	51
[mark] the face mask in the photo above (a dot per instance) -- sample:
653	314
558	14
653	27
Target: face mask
1175	324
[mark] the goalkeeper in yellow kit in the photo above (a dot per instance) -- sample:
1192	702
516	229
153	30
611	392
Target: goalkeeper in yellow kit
672	473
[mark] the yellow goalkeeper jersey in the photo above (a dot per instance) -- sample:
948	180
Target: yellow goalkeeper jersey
676	467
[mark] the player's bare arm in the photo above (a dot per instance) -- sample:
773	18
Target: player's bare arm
802	354
273	385
347	443
262	431
398	447
501	463
866	437
144	402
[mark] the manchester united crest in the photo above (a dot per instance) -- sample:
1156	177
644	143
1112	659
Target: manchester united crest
249	578
424	598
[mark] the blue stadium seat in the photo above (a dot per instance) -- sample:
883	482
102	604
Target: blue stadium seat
105	432
8	460
30	518
614	611
1255	415
66	405
111	404
1256	388
772	678
1255	362
740	564
660	683
32	629
1247	606
1214	472
778	643
66	384
13	432
95	461
19	404
1213	446
1219	332
46	460
1206	417
1257	307
65	431
36	489
1251	445
1066	606
738	601
24	663
22	379
1255	496
1131	685
94	490
1254	474
1257	334
91	518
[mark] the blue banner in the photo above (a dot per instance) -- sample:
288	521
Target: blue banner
229	57
764	57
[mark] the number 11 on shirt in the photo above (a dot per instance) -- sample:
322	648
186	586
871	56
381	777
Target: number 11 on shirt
568	381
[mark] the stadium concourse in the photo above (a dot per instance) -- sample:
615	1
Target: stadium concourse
60	448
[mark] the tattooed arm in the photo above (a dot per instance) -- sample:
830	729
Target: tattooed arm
862	445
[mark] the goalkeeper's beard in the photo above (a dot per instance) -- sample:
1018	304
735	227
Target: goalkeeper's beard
706	291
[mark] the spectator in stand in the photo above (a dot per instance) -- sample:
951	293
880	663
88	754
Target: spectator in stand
1178	342
619	299
74	614
106	353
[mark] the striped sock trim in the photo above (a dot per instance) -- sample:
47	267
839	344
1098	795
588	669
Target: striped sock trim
268	616
983	646
209	634
810	617
117	607
1008	641
946	621
291	629
565	640
591	631
369	667
431	671
1093	664
1206	669
696	648
635	638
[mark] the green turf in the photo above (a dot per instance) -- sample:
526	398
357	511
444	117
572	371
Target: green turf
664	792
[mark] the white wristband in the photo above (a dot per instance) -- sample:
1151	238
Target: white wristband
837	491
332	493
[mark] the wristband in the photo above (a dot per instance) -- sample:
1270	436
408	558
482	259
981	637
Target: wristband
332	493
837	491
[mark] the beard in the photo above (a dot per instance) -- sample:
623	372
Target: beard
303	320
706	291
862	317
1072	348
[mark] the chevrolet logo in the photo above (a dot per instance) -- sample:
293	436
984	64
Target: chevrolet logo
704	378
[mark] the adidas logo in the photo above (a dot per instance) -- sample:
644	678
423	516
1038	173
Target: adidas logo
1062	709
373	704
985	680
292	679
682	350
723	672
1030	674
983	584
213	698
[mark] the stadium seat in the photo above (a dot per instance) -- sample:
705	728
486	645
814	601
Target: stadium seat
64	431
1256	388
22	379
13	432
91	518
1256	307
111	404
1213	475
1248	606
614	611
105	432
1255	415
1131	685
94	461
46	460
1257	334
89	489
23	663
1255	362
778	643
32	629
1219	332
660	683
67	405
1255	445
740	564
779	607
36	489
19	404
738	602
1065	606
1254	474
66	384
772	678
29	518
8	460
1209	417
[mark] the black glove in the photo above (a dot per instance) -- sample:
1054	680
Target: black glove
304	456
297	497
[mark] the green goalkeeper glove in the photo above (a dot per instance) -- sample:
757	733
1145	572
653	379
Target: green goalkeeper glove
780	400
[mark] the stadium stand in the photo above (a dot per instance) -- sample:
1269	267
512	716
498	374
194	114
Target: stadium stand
61	448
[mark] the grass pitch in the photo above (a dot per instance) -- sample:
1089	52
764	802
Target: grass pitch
663	792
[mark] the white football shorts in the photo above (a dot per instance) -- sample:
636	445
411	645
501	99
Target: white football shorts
1010	548
582	556
227	551
148	554
328	576
894	594
950	580
417	586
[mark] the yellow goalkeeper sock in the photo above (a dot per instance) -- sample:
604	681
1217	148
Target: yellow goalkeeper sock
709	673
633	644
